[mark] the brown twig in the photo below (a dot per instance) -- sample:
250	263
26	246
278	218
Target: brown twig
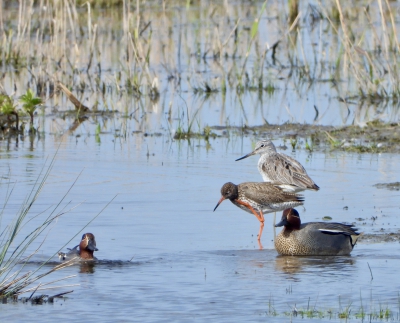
61	294
78	105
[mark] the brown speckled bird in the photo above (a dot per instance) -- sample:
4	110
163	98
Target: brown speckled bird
259	198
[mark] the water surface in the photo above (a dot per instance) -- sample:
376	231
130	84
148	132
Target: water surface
188	262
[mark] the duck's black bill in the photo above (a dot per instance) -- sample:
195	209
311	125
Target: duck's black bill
92	245
282	223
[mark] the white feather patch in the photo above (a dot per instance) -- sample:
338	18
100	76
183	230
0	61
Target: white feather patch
331	230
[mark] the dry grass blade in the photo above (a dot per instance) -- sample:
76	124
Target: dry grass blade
51	282
41	285
4	287
393	25
18	285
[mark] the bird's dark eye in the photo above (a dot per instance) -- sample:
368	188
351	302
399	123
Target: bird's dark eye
83	237
262	145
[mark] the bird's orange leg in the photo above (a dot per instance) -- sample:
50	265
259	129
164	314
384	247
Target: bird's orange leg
260	245
261	225
260	218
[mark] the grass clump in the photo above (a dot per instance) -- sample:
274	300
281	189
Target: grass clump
381	314
310	146
13	259
293	143
8	108
29	104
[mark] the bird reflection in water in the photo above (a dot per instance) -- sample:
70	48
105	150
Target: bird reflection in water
87	267
293	265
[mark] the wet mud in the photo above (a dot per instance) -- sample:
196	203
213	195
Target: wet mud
389	186
374	137
379	238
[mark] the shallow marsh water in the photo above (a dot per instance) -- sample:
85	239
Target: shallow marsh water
187	262
164	255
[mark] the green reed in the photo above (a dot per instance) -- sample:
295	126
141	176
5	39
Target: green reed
340	312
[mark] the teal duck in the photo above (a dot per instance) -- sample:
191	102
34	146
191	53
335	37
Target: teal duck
83	251
314	238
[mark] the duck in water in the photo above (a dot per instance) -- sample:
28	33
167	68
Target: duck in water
314	238
83	251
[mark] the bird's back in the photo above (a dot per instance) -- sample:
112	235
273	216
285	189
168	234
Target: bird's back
268	197
318	239
285	171
72	253
266	193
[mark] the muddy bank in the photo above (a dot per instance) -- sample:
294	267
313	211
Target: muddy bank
374	137
389	186
377	238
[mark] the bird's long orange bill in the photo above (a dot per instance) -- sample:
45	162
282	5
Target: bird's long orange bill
219	202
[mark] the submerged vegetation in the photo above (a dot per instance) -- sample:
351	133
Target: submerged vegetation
372	313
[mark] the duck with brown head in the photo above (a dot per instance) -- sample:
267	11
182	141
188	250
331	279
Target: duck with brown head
314	238
83	251
258	199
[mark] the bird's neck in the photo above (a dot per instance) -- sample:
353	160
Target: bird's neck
86	254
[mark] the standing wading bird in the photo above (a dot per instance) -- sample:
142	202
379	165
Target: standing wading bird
259	198
314	238
87	247
280	169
